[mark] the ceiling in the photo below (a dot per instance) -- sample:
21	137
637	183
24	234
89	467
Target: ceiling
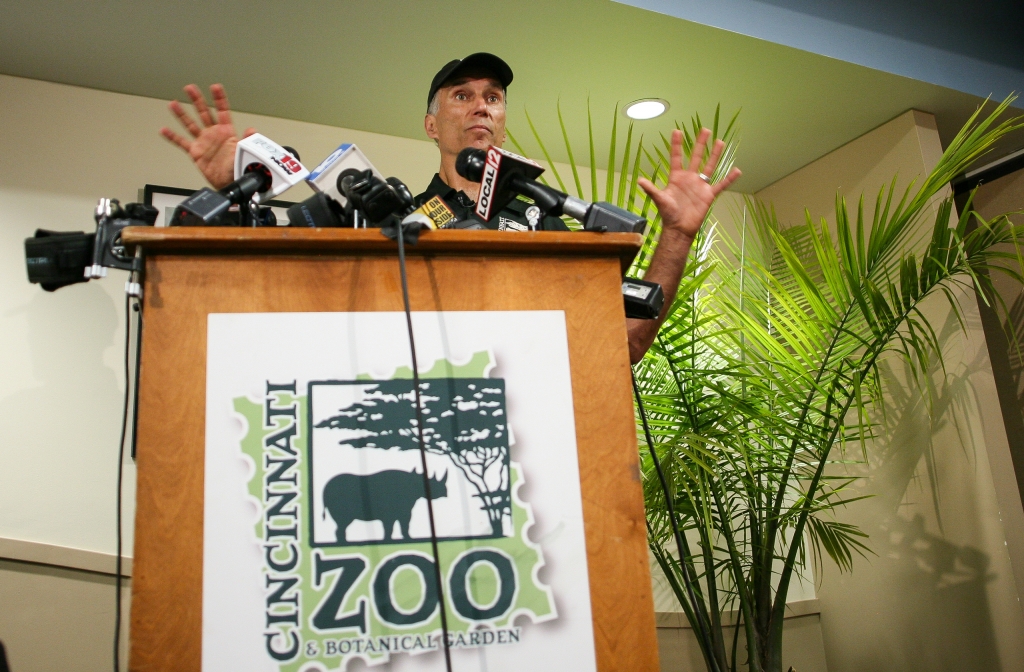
975	49
367	66
988	30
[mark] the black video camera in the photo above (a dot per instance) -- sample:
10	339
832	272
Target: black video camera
55	259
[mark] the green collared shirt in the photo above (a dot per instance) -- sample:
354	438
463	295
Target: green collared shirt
513	217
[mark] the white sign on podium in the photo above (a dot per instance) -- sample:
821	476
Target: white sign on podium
317	544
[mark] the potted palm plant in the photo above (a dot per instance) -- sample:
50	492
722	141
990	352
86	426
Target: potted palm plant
767	366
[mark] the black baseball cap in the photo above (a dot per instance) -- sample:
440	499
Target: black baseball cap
478	61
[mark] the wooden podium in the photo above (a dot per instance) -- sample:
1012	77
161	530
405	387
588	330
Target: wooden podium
191	273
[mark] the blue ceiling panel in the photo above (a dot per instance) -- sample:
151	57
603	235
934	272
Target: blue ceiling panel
977	48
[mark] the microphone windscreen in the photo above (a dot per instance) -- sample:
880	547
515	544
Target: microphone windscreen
317	211
470	163
401	190
345	179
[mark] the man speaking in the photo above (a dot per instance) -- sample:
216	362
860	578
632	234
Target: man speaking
466	108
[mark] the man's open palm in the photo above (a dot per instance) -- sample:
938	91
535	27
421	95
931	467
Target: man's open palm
688	194
212	146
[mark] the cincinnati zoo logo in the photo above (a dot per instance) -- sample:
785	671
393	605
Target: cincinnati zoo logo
348	568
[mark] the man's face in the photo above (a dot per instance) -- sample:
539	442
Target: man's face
470	113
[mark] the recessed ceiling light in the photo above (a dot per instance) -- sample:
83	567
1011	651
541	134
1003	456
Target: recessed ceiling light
646	108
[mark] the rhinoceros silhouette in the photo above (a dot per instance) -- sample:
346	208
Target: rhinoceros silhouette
388	496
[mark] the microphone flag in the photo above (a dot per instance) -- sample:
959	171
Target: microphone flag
433	214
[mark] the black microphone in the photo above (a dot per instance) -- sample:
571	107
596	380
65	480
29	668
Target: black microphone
321	210
375	198
405	196
207	207
503	174
353	184
318	211
256	180
352	179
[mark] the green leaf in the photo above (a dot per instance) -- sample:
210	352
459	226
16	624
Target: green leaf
610	179
568	150
593	157
544	150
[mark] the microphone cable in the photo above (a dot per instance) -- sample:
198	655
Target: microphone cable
138	361
132	398
423	450
120	478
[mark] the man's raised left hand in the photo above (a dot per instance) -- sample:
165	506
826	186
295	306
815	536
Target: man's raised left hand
686	199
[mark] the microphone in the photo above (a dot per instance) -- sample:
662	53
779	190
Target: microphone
318	211
260	154
322	209
207	207
434	214
325	178
503	174
263	170
405	196
375	198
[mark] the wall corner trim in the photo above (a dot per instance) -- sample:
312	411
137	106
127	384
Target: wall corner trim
677	619
63	556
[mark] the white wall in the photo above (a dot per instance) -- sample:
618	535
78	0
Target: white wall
61	354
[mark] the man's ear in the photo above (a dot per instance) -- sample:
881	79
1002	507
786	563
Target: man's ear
430	126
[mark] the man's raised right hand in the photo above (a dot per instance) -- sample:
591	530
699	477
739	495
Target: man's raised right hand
212	147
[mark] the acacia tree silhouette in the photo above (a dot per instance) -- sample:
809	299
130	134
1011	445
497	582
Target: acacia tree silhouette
464	420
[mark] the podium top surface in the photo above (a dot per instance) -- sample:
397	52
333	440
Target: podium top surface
284	240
